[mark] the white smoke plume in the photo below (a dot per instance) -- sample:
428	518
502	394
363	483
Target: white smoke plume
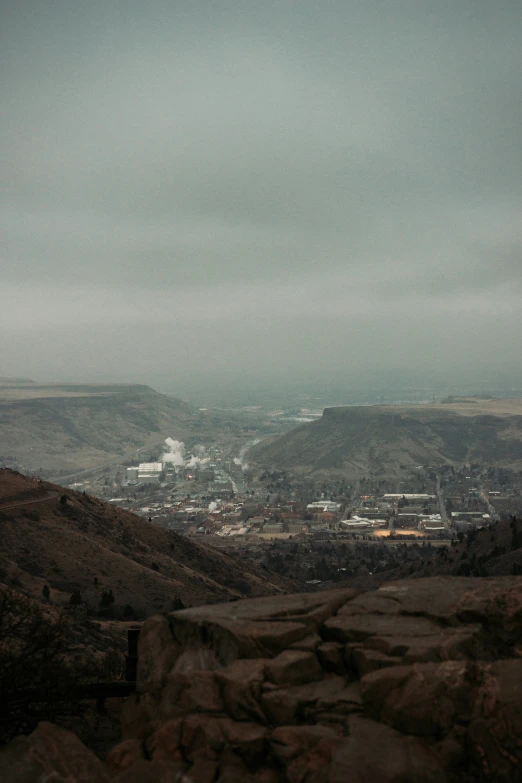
243	464
175	454
212	506
194	461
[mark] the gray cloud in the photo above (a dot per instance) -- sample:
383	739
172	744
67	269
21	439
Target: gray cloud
267	185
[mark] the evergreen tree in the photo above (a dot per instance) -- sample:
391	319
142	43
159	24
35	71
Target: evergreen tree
76	598
107	599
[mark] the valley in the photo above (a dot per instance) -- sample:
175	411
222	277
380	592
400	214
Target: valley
61	431
233	512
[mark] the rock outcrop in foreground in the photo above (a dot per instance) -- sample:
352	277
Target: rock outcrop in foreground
418	682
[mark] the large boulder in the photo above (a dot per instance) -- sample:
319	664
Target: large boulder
417	681
50	754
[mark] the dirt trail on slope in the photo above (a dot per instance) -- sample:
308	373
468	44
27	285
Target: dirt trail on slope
50	496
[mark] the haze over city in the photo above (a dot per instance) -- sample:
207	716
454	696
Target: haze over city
261	391
260	193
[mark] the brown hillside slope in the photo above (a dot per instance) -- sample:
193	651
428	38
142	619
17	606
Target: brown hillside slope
69	545
388	440
73	427
418	682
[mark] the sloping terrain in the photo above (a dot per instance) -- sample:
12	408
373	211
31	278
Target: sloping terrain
387	441
88	546
73	427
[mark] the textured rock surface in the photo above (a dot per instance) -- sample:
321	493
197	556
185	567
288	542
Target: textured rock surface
50	754
418	682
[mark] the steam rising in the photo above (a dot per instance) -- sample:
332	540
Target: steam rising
243	464
175	455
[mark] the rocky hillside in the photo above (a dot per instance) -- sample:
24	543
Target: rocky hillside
388	441
84	545
71	427
418	682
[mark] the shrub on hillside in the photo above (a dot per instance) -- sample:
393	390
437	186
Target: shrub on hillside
106	603
242	585
33	516
34	647
41	663
76	598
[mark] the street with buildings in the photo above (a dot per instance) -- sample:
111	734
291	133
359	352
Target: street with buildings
315	530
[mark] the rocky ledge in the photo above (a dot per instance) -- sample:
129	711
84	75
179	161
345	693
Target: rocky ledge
419	681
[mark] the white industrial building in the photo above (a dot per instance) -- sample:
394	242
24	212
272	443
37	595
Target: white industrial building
323	505
407	496
361	523
145	473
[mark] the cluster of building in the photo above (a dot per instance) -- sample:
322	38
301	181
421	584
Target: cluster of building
208	494
362	523
227	514
145	473
209	476
396	511
231	520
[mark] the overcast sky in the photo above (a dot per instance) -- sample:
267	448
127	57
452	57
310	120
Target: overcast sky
260	190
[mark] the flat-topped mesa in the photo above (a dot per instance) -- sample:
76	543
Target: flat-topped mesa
340	411
389	441
418	681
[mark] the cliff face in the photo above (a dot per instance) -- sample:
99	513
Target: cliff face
417	682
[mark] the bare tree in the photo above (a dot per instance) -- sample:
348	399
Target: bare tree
34	646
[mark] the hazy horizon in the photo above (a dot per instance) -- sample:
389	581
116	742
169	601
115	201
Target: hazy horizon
261	194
